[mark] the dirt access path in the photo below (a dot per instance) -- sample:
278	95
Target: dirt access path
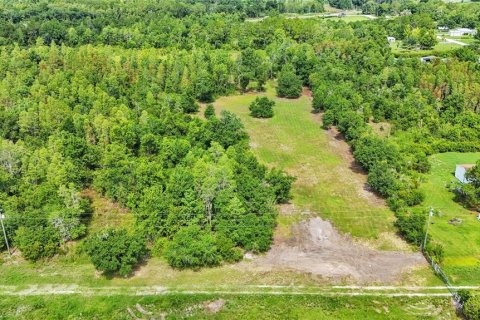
106	291
350	169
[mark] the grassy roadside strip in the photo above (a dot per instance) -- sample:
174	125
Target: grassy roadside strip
236	306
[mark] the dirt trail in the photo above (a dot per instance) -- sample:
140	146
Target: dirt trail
315	247
72	289
350	169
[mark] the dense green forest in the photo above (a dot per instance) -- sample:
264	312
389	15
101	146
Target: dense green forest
105	95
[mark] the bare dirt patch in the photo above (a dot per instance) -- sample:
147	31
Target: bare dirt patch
214	306
307	92
315	247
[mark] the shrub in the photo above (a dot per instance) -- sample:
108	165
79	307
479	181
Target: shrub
412	197
471	309
352	125
209	111
370	150
412	226
436	251
262	108
383	179
193	247
37	243
289	84
115	251
227	250
421	163
281	184
464	295
328	119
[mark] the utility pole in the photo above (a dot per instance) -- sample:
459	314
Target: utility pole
2	216
430	214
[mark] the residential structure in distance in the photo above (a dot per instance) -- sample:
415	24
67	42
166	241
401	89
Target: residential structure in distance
461	32
461	170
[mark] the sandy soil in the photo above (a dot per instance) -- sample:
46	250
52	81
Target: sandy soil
315	247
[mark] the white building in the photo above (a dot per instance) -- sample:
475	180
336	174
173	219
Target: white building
391	39
428	59
462	31
461	170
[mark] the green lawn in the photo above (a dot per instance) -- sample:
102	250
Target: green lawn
439	48
461	242
444	46
236	307
465	39
326	185
348	18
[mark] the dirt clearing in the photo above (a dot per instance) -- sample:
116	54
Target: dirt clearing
315	247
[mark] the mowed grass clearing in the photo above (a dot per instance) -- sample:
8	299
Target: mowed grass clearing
440	47
461	242
326	184
347	19
178	306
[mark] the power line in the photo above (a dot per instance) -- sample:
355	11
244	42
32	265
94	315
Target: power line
2	217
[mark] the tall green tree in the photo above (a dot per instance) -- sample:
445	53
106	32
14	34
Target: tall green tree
289	84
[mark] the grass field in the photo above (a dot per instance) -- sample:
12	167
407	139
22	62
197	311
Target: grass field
256	307
461	242
349	18
439	48
294	140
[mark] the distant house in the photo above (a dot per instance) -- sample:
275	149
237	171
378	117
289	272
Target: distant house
428	59
391	39
461	32
443	28
460	171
